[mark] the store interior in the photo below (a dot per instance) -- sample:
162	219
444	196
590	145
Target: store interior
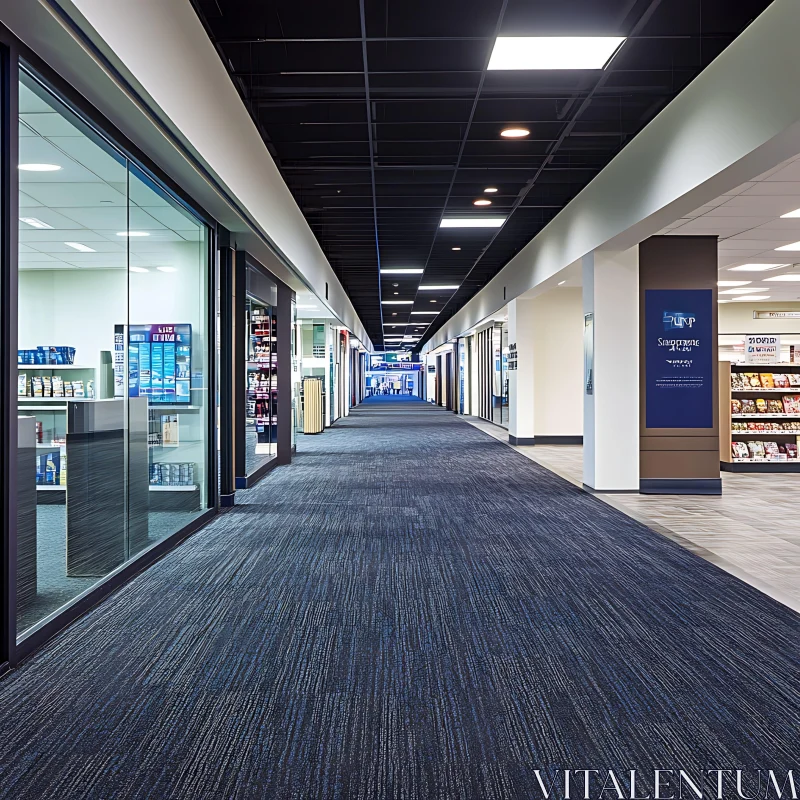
112	389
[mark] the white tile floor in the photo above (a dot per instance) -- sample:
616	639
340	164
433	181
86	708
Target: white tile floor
751	531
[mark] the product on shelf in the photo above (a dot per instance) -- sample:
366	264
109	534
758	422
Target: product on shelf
22	384
181	474
794	378
739	450
791	450
781	381
756	449
775	406
748	406
767	381
47	355
761	405
771	449
753	379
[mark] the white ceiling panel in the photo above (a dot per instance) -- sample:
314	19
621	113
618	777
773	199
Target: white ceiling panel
49	216
101	247
47	125
34	237
774	188
35	150
37	258
103	164
71	195
100	218
172	218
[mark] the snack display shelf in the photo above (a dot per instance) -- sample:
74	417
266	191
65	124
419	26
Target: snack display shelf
43	487
765	433
754	390
766	461
157	488
765	415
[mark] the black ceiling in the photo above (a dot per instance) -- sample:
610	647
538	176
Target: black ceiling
375	161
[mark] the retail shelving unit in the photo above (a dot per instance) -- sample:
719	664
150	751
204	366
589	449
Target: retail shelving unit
772	428
262	374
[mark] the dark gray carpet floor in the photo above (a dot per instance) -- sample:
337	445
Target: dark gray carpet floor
410	610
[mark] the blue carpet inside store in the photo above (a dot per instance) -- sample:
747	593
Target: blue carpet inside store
409	610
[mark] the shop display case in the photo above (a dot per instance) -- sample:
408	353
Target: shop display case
759	417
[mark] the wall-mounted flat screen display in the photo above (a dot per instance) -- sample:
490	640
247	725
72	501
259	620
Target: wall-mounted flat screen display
160	362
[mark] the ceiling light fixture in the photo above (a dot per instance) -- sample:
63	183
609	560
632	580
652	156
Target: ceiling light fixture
39	167
132	233
455	249
397	302
425	312
741	291
433	288
515	133
753	297
553	52
756	267
80	247
733	283
481	202
789	276
167	269
792	214
138	269
36	223
561	283
402	271
472	222
792	246
489	190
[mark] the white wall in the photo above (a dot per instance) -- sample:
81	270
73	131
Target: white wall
558	363
737	317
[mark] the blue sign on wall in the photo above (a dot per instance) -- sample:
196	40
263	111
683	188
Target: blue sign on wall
679	358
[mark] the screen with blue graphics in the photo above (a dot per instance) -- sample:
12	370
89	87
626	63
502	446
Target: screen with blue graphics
679	358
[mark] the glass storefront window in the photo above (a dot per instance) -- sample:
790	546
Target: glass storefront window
261	398
113	391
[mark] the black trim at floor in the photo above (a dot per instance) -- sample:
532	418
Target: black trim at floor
534	440
249	481
681	486
759	466
41	636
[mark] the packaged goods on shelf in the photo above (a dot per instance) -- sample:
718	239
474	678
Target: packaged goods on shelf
177	474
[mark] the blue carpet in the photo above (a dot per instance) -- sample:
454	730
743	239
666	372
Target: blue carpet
410	610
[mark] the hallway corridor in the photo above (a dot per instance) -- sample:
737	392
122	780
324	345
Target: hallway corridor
410	609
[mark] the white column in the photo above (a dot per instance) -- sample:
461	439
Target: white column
611	412
521	332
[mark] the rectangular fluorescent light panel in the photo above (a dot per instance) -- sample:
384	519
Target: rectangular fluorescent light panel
473	222
437	288
36	223
753	297
432	313
733	283
792	246
80	247
789	276
742	291
792	214
553	52
397	302
756	267
402	271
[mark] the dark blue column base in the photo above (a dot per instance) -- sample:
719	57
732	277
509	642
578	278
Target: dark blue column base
681	486
227	500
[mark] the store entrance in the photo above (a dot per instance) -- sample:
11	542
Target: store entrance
397	382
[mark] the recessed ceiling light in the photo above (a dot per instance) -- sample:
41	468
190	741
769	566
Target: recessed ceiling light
424	312
80	247
133	233
138	269
733	283
402	271
456	248
756	267
39	167
792	246
433	288
792	214
515	133
561	283
789	276
720	300
741	291
397	292
167	269
490	190
472	222
397	302
481	202
433	301
753	297
36	223
553	52
394	313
